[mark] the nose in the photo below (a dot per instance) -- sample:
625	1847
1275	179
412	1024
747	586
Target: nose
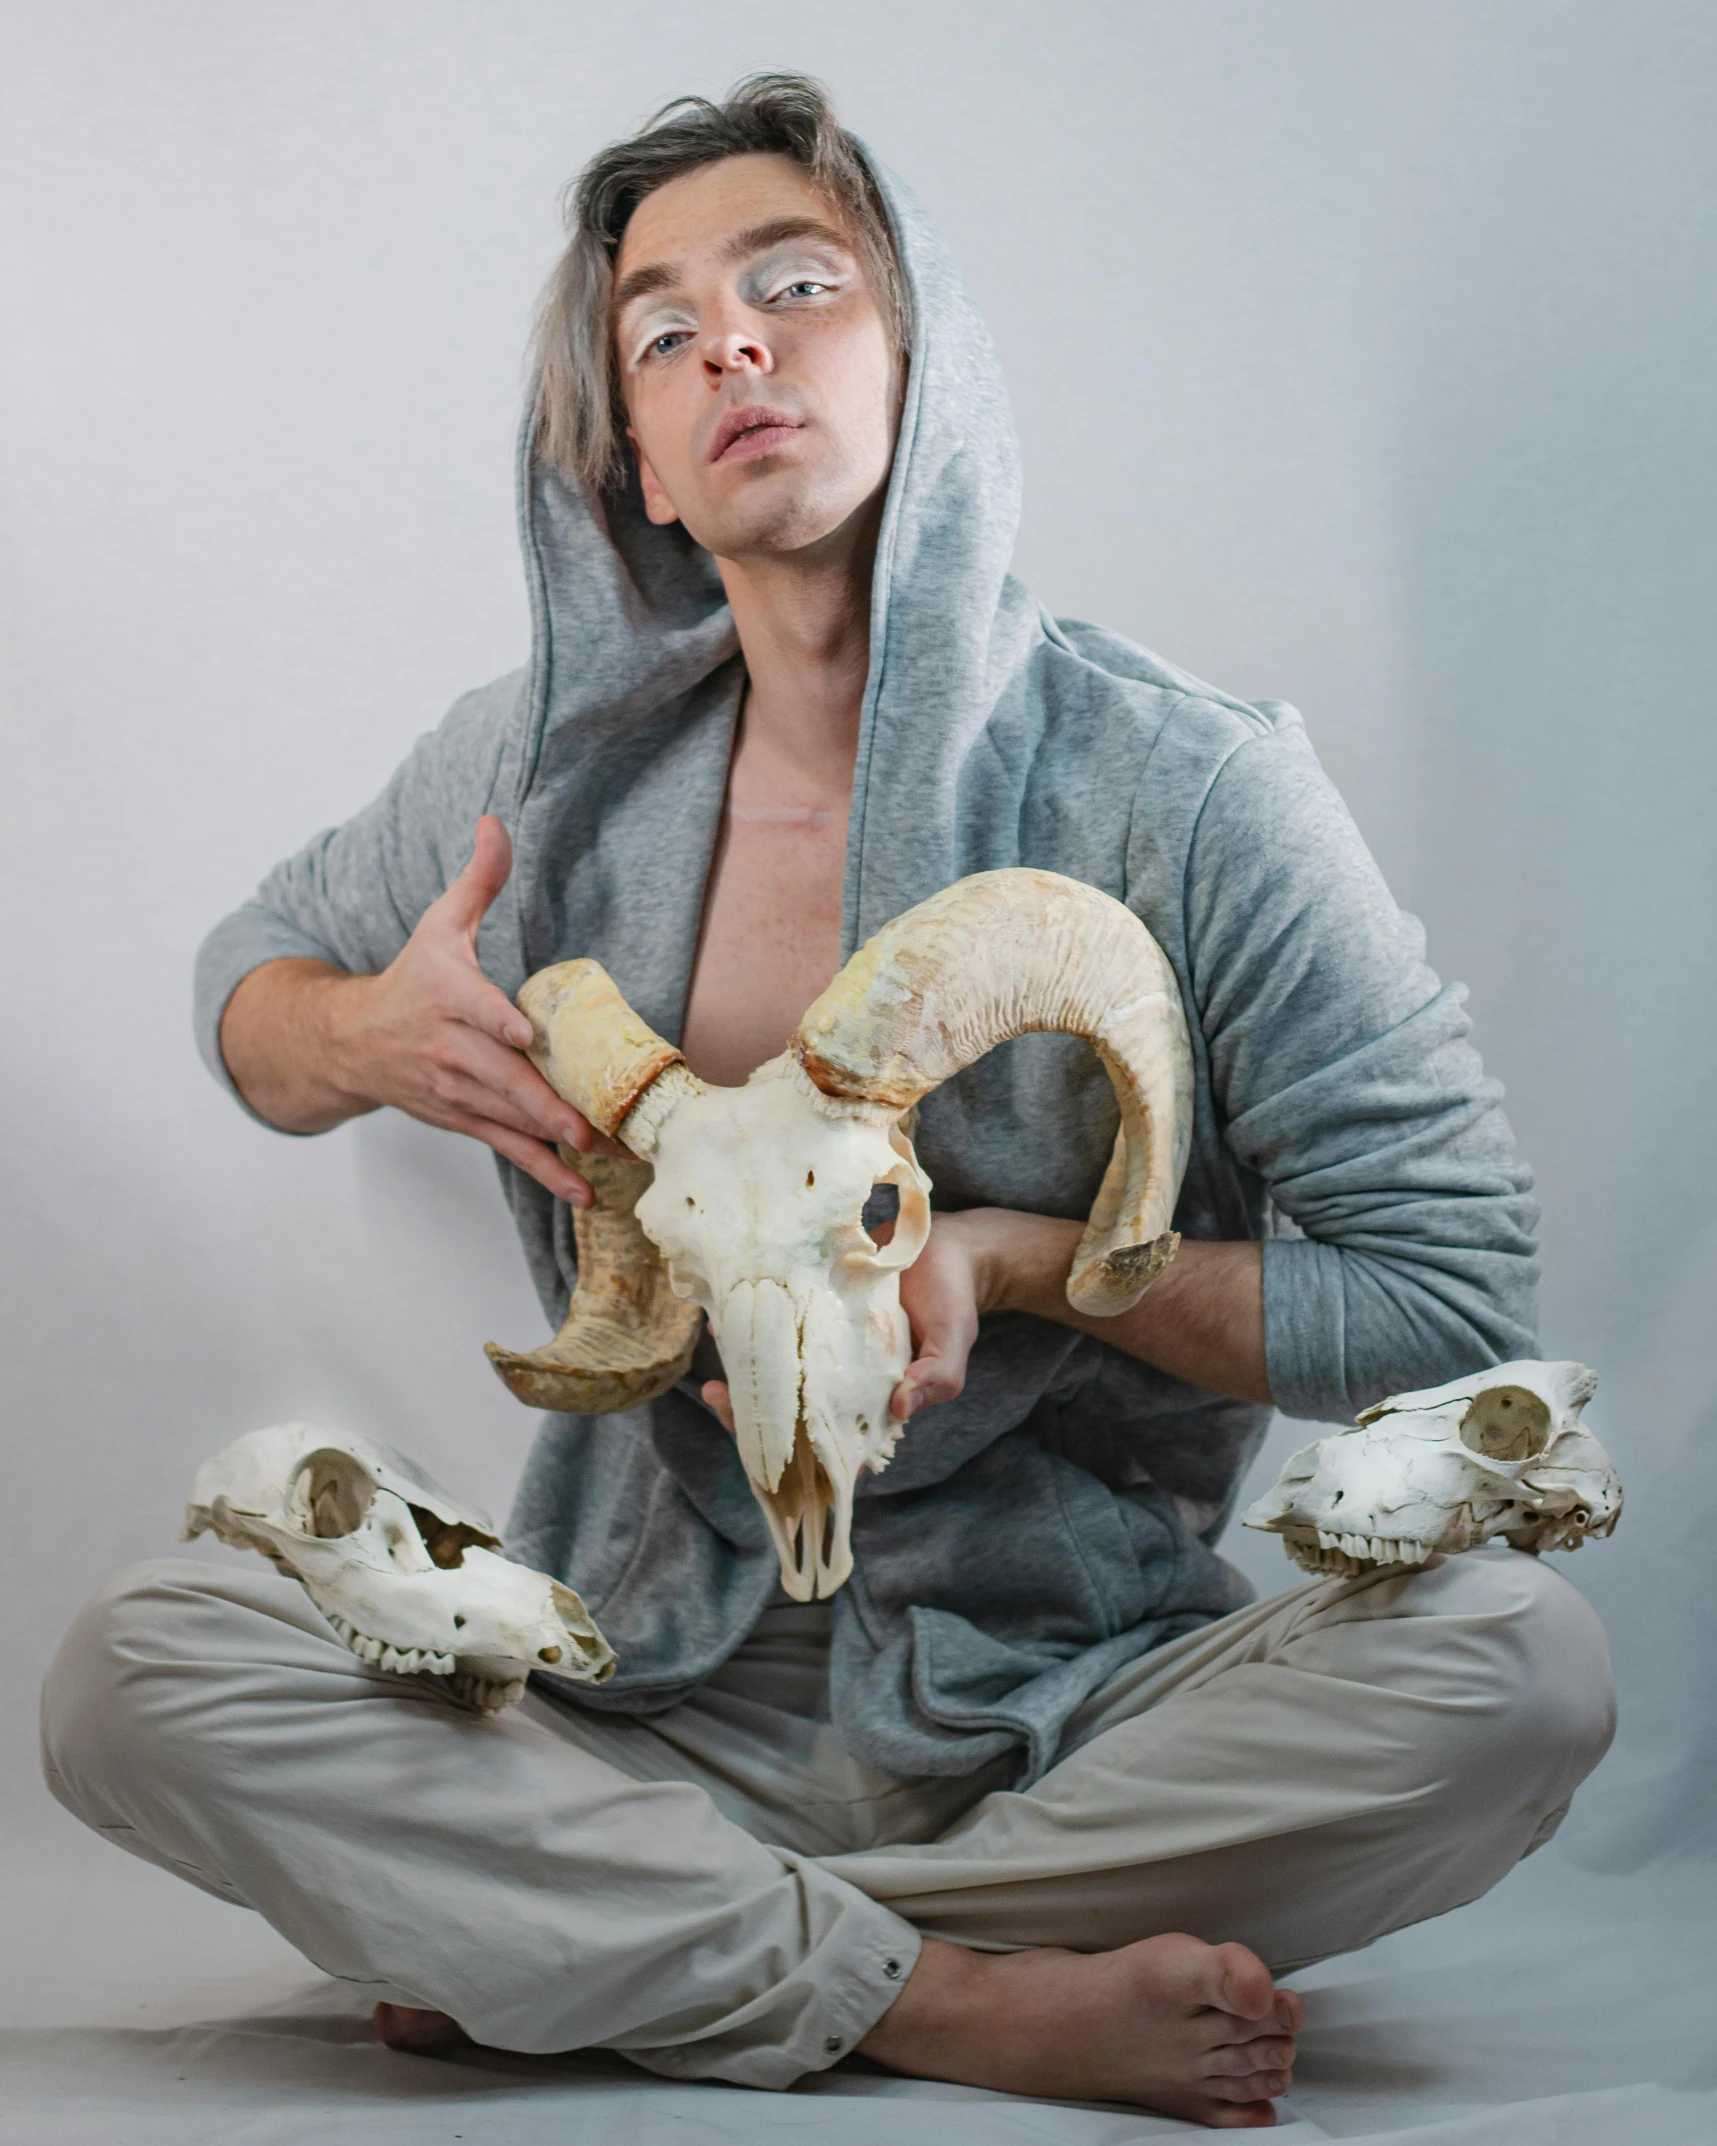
730	349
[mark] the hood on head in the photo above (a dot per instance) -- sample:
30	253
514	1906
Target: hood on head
630	620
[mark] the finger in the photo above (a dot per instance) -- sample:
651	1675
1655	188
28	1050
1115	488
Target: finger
512	1075
944	1322
532	1156
1290	2011
452	1093
466	1053
717	1397
448	971
466	902
588	1141
483	1006
932	1377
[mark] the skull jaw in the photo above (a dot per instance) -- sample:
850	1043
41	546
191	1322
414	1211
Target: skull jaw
1328	1535
809	1506
810	1516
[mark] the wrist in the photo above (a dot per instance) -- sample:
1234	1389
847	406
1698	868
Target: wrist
338	1013
286	1040
1019	1262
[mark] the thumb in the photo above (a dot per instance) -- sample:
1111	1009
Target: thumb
467	901
937	1372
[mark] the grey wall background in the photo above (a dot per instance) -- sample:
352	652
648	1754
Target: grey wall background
1363	352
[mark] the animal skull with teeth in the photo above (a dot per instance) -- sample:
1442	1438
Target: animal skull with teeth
1500	1453
753	1206
407	1575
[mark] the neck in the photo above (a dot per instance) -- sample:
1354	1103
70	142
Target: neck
804	629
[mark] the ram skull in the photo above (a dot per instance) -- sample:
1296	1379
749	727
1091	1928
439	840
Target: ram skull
755	1209
409	1576
1500	1453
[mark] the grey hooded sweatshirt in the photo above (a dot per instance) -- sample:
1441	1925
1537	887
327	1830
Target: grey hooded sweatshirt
1058	1519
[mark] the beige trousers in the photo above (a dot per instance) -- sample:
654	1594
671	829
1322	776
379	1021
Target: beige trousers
720	1891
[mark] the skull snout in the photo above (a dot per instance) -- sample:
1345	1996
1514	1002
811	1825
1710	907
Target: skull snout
759	1334
809	1375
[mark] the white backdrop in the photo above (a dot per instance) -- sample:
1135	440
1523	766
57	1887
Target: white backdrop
1363	357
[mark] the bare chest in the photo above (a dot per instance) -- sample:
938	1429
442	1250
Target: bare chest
771	932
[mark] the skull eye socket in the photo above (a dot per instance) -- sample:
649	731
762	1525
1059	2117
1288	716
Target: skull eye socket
333	1493
1506	1423
881	1212
900	1239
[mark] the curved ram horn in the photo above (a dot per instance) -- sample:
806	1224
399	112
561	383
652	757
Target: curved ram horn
1002	954
594	1051
626	1337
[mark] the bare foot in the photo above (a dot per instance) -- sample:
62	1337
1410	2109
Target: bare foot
420	2033
1194	2030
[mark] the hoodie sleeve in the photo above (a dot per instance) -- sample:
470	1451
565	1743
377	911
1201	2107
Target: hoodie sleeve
353	894
1342	1071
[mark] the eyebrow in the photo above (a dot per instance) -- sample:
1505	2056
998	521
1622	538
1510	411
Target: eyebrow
664	276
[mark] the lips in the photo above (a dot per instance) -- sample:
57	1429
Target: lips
753	430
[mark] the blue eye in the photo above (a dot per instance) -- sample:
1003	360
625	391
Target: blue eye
806	285
663	345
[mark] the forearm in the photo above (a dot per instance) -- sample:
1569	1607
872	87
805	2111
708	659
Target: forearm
282	1037
1202	1319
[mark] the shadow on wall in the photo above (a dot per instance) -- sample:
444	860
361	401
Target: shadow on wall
1556	462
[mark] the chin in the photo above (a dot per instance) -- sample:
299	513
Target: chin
775	517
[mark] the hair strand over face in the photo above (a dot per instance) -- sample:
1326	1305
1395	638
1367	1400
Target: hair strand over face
580	419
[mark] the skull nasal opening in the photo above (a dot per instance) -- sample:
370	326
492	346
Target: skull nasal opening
448	1540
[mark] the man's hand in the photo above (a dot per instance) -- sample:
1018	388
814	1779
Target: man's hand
310	1046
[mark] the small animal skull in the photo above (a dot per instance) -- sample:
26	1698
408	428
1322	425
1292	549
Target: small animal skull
407	1575
756	1204
1500	1453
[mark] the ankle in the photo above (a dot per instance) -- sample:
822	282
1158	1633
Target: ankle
950	1994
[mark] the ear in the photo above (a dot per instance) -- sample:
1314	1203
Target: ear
657	505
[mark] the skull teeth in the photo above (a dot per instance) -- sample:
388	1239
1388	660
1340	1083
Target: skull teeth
402	1661
1376	1549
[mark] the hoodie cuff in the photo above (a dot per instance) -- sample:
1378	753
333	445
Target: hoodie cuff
1305	1329
244	941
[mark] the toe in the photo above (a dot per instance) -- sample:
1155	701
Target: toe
1263	2084
1248	1990
1210	1978
1237	2060
418	2032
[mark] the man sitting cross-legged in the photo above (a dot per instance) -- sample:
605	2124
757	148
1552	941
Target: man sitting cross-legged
1037	1802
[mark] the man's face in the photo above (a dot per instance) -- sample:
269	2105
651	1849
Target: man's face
760	379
